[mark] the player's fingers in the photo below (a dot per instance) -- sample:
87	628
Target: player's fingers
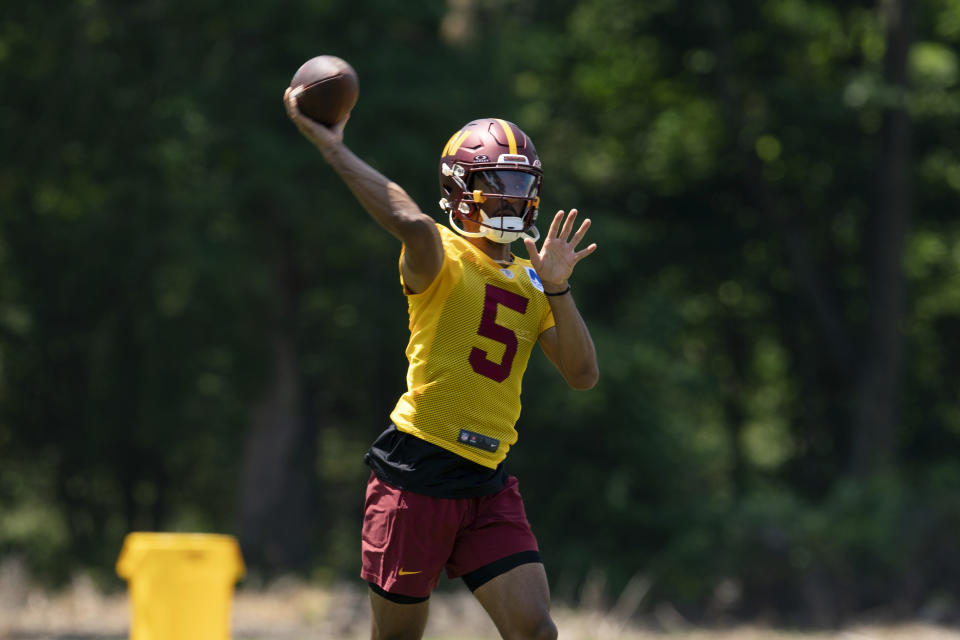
293	109
289	102
290	97
533	253
310	128
582	231
568	225
555	225
580	255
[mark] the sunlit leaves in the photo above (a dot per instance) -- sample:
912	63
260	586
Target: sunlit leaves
680	144
933	64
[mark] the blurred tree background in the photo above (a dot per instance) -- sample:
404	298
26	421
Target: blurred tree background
201	330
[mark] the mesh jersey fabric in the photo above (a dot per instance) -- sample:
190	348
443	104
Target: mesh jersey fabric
471	334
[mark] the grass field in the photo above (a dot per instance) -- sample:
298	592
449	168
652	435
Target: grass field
289	610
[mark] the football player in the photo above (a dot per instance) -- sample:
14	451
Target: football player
438	498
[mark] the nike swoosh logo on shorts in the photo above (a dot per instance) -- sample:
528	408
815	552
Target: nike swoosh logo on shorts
401	572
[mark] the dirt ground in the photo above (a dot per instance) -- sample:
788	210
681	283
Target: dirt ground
289	609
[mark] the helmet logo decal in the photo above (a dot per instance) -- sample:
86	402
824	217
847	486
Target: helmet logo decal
453	144
447	146
459	141
511	139
481	158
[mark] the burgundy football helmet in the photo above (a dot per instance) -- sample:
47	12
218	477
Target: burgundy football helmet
490	174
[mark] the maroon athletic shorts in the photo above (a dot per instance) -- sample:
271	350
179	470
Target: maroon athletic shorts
409	538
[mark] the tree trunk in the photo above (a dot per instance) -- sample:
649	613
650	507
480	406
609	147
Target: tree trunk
877	395
277	481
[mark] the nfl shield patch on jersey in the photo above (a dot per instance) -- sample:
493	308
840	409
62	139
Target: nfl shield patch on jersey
534	278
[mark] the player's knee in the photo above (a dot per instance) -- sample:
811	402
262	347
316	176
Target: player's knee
548	630
538	628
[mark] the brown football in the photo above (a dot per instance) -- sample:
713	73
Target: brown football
327	88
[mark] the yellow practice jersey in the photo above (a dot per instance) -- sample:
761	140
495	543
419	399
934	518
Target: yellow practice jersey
471	334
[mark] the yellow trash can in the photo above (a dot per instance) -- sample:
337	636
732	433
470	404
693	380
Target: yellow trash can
180	584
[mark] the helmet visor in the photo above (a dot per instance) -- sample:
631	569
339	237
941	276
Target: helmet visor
505	182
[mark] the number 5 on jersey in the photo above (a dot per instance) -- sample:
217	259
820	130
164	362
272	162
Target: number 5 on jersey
489	328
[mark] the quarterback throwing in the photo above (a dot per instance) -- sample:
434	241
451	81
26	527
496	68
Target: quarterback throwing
439	498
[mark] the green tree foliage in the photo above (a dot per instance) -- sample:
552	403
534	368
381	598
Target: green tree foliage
200	329
760	165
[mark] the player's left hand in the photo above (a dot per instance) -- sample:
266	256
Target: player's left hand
558	254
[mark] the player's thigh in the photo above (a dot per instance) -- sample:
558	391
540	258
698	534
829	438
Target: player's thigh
395	621
518	602
405	540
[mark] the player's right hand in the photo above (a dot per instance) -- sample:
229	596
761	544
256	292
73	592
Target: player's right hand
323	137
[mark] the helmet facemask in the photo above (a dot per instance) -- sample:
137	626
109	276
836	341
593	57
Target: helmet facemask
502	203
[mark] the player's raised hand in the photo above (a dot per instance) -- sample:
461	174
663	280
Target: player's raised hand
558	255
321	136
